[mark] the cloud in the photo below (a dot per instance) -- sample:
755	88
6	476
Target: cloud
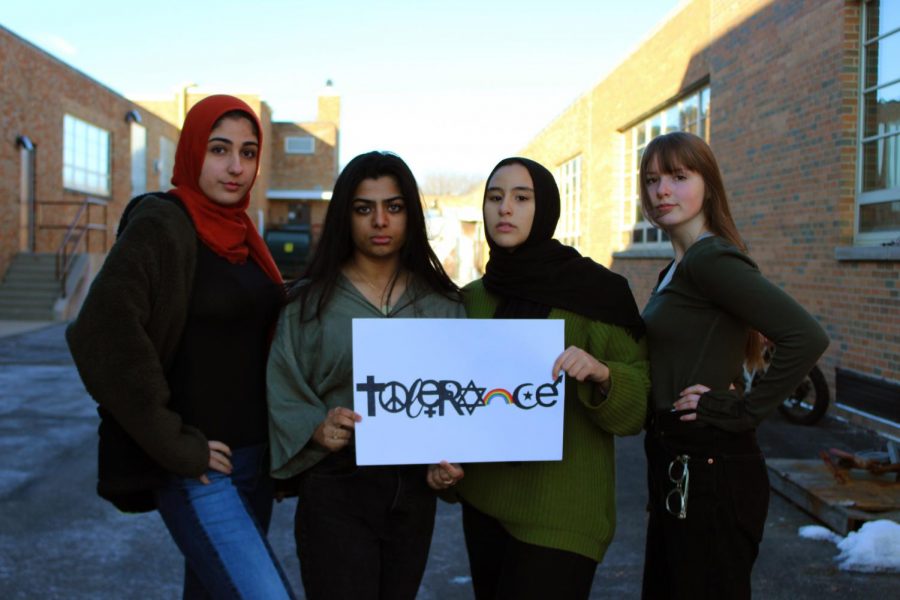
57	45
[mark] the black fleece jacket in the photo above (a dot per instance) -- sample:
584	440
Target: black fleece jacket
128	330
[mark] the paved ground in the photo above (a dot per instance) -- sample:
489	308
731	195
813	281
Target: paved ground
58	540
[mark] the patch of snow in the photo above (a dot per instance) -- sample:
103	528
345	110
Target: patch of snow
817	532
874	548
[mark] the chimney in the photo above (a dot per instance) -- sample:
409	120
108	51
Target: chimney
329	104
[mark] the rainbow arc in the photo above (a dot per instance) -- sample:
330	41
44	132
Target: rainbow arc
498	394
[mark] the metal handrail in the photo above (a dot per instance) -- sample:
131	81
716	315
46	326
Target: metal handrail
75	233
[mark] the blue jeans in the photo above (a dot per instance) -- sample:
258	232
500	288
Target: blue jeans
221	530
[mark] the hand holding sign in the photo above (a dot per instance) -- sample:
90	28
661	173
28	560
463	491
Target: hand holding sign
444	475
580	365
336	430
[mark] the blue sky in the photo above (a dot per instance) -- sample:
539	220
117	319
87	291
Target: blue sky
450	86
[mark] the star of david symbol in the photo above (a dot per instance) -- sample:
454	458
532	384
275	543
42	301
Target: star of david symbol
479	396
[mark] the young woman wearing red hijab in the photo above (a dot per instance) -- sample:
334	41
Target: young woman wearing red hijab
172	343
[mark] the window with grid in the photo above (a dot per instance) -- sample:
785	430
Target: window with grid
85	157
691	114
878	188
568	178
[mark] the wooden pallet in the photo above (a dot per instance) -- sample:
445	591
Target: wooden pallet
842	507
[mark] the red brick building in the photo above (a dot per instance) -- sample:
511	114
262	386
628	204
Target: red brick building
66	137
305	165
799	99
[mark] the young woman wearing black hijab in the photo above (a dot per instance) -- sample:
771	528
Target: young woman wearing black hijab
539	529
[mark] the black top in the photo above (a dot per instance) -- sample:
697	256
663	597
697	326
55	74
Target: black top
218	376
697	329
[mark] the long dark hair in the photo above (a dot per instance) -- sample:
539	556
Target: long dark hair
336	244
680	149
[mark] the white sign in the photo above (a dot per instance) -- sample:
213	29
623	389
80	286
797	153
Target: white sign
463	390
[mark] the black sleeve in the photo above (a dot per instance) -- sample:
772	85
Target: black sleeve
133	313
734	283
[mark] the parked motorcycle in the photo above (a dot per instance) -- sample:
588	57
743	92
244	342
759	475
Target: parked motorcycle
807	404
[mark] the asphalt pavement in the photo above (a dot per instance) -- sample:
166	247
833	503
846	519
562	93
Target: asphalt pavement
59	540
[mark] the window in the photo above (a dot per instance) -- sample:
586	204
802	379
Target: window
166	162
568	178
878	182
300	145
85	157
138	159
691	114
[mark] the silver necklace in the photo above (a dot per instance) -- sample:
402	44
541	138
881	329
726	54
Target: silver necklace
385	307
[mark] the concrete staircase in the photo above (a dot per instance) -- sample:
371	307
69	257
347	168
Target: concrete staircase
30	290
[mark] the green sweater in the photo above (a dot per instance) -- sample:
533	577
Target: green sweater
697	329
567	504
310	368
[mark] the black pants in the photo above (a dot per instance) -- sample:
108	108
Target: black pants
363	532
506	568
709	554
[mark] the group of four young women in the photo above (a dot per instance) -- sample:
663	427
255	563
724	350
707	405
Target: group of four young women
205	391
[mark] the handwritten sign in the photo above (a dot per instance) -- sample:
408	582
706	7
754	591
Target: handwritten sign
464	390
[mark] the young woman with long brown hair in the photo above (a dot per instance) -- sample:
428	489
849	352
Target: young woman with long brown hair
707	477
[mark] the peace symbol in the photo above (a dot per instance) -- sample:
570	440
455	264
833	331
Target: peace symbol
395	401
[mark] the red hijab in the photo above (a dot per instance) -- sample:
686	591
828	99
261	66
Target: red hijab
227	230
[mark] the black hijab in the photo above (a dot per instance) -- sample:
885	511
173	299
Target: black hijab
542	273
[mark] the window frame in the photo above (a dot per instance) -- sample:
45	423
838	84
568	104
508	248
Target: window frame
165	164
632	150
883	195
569	181
84	148
138	136
310	140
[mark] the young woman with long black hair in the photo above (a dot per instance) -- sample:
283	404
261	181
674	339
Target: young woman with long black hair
361	532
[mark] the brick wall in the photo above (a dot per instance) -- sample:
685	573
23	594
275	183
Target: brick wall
311	172
329	107
782	77
304	171
37	92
